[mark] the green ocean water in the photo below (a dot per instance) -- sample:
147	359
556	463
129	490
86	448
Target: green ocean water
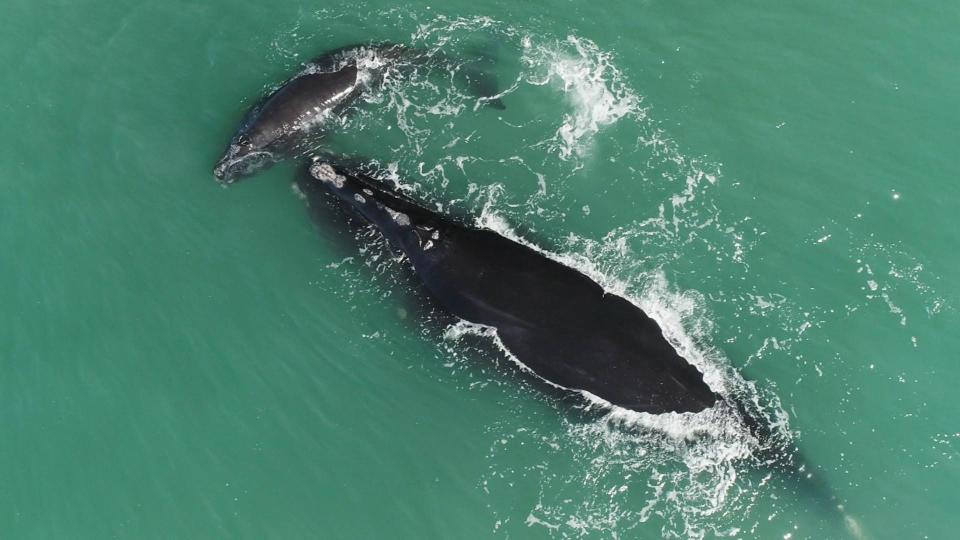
775	183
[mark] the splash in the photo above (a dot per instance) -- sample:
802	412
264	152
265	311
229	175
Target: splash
594	87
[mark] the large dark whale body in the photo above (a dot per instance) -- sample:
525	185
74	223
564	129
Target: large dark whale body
555	320
281	123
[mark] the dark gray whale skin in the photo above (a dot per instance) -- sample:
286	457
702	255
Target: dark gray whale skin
555	320
281	121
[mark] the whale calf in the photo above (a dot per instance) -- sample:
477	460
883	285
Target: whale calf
282	122
556	321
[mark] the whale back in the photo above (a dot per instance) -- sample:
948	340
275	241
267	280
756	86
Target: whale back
560	323
553	319
300	104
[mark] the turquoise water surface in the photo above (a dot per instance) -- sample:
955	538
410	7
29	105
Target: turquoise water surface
775	183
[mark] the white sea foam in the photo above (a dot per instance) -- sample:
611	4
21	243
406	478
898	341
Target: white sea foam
594	87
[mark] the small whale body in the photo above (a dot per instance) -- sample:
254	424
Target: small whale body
283	122
556	321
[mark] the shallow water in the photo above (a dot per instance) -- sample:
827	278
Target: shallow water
775	184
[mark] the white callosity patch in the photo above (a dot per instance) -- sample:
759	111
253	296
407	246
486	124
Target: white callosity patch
324	172
398	217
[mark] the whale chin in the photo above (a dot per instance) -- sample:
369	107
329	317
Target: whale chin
233	167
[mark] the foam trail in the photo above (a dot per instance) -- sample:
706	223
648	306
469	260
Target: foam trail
593	85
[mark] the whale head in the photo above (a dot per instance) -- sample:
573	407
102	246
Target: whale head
366	197
241	159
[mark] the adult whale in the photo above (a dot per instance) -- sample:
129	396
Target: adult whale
556	321
282	122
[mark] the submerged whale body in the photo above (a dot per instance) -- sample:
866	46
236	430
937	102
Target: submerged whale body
283	121
555	320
